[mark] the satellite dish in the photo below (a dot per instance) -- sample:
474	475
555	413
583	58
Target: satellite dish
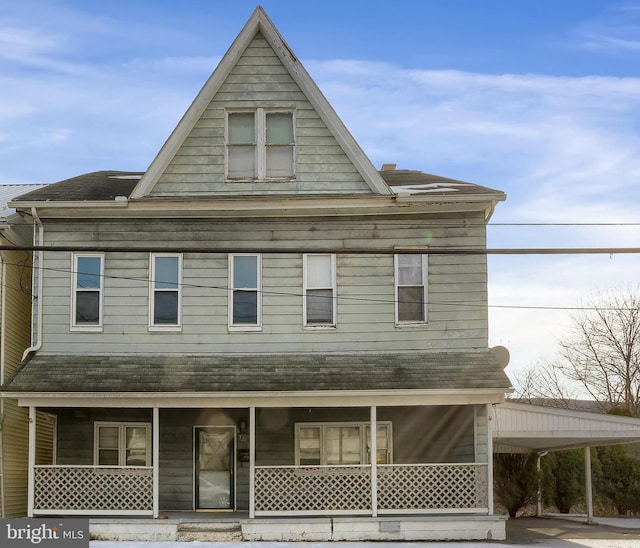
501	354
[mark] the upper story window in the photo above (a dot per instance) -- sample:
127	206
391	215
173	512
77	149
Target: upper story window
411	288
245	291
341	443
165	291
260	145
87	291
122	444
319	304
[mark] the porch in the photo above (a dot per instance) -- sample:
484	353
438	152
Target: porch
268	462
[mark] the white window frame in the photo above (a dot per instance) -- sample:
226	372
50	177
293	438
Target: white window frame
333	287
152	290
122	441
425	292
364	439
74	325
241	326
260	145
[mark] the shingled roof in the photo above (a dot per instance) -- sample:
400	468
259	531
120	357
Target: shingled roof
220	373
106	185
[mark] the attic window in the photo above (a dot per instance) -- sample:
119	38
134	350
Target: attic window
260	145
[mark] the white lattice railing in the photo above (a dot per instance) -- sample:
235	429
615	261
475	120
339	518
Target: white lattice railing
312	489
93	490
432	488
411	488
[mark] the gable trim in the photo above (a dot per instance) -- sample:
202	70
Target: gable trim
260	22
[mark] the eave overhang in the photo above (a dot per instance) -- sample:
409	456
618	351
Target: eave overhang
262	207
326	398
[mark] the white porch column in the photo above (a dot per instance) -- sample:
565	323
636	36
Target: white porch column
588	494
490	458
252	462
156	462
32	461
373	457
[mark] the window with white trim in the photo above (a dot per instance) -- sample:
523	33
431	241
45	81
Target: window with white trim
245	291
341	443
122	444
411	288
319	300
165	291
88	276
260	145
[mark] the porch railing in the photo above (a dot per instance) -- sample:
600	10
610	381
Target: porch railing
312	490
432	488
116	490
401	489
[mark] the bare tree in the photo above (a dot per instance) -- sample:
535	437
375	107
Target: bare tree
602	350
544	384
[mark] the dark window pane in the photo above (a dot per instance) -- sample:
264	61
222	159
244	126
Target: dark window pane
88	307
319	306
411	304
108	457
165	307
88	272
245	307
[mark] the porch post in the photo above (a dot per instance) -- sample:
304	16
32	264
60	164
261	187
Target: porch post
252	462
489	459
373	457
156	462
32	461
587	478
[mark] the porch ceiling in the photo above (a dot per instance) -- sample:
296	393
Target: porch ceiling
521	427
223	374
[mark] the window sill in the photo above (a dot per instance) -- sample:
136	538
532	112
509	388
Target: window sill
165	328
404	325
86	328
327	327
243	328
265	180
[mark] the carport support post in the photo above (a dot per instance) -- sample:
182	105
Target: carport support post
252	462
588	495
31	462
373	458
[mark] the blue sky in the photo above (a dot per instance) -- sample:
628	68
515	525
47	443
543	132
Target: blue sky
538	98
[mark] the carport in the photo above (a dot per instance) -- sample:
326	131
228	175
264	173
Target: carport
526	428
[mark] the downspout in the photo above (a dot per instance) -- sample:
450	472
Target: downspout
37	285
3	323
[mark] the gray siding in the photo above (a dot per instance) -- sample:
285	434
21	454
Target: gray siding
365	319
259	80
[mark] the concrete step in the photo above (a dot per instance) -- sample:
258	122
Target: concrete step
206	531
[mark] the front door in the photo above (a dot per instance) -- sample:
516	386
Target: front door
214	464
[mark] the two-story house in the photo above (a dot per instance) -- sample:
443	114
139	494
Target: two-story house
262	322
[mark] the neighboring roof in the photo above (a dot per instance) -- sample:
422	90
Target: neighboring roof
95	186
260	22
408	181
222	373
9	192
522	427
106	185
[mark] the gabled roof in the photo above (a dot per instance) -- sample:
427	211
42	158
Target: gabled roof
260	22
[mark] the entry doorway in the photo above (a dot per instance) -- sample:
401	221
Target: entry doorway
214	466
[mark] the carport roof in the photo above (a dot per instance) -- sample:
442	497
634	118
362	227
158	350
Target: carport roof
522	427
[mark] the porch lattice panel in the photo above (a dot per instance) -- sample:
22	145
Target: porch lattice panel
312	489
86	488
432	487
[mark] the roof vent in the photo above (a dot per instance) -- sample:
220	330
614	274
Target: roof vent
388	167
